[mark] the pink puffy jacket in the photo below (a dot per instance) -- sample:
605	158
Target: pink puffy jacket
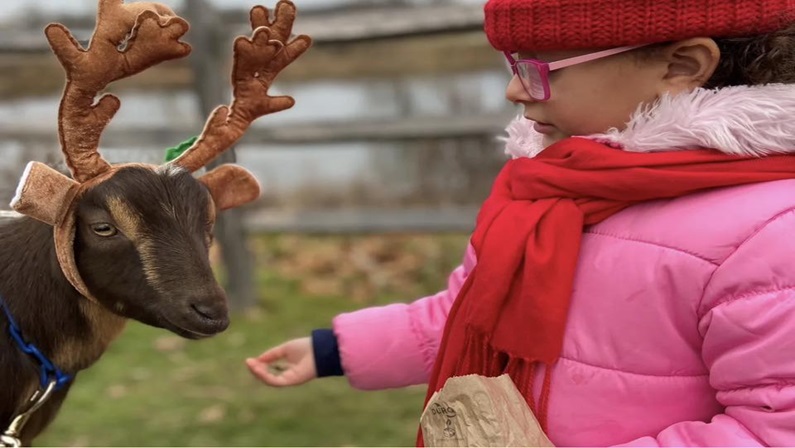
681	330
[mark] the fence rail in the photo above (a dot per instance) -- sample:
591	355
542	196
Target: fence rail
363	221
392	130
332	25
352	221
358	43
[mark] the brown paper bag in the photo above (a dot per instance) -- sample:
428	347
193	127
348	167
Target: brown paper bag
475	410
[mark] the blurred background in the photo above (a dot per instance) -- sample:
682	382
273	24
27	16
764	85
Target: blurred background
371	183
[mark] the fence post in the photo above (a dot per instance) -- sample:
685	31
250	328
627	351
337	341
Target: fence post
207	61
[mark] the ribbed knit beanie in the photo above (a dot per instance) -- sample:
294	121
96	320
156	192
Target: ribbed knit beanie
538	25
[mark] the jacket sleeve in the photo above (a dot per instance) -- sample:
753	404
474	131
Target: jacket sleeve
748	327
395	345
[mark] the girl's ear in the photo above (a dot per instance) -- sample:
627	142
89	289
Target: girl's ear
690	63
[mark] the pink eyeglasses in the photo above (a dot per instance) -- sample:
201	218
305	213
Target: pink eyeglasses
534	74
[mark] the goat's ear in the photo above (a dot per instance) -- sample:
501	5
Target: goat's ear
231	186
44	193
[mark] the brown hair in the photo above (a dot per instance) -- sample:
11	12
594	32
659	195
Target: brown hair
763	59
747	61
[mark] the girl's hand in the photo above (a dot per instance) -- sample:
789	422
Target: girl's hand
288	364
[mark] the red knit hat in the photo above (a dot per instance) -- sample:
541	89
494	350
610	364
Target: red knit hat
537	25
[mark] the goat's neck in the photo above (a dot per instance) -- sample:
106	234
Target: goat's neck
72	331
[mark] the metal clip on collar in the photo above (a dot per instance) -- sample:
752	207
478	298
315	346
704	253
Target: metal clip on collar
51	379
10	437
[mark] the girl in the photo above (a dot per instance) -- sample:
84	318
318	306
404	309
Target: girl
633	269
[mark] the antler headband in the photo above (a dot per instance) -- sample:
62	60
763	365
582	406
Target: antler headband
127	39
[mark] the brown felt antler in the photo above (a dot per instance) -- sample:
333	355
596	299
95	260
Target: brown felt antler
150	32
257	61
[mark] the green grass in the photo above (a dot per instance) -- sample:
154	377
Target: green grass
154	389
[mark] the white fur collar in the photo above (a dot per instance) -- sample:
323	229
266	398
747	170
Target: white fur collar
756	121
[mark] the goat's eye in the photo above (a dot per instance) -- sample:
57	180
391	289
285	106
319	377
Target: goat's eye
103	229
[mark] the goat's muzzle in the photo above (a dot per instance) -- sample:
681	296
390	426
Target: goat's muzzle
201	317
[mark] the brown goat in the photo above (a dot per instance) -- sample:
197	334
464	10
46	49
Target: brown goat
131	241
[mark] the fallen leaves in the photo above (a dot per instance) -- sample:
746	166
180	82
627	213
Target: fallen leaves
212	414
359	267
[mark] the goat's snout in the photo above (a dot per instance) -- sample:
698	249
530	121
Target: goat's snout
210	315
202	316
210	311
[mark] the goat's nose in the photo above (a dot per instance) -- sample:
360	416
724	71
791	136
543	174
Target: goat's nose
210	311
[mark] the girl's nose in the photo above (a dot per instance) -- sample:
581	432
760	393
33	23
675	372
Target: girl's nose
515	91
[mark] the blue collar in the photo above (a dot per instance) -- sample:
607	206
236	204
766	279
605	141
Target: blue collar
47	370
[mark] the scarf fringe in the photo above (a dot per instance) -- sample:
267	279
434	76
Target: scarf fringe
522	372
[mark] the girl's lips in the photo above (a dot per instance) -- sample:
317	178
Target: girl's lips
543	128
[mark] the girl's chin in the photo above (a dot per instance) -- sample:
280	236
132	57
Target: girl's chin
550	139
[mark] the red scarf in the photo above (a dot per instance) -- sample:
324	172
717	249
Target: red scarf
511	312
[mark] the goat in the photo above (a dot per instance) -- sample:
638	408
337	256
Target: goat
127	241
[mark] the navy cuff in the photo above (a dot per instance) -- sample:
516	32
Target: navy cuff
327	353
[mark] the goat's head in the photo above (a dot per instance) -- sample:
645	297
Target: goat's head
135	237
141	246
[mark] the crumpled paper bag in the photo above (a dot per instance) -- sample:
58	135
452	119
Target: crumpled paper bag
475	410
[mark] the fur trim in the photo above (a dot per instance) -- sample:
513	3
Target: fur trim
522	139
21	185
742	120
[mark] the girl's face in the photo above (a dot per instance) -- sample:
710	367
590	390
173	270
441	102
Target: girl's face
594	96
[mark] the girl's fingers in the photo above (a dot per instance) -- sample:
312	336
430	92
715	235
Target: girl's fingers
273	354
262	372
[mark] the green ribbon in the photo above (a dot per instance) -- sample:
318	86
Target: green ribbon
176	151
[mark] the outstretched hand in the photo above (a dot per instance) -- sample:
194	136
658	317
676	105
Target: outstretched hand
288	364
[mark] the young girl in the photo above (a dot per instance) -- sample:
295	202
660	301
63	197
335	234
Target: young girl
633	269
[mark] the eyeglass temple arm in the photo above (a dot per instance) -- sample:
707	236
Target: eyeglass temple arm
590	57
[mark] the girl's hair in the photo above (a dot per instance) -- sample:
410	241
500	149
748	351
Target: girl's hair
763	59
747	61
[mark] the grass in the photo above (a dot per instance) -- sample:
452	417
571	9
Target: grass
154	389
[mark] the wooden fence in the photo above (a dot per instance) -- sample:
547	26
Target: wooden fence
383	41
